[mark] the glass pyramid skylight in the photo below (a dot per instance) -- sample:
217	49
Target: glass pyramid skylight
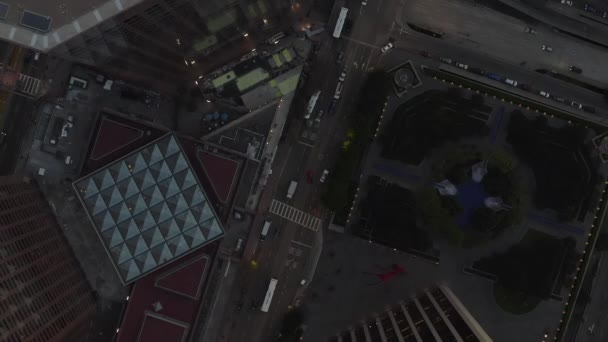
148	208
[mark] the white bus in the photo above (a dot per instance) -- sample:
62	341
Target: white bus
340	22
269	294
311	104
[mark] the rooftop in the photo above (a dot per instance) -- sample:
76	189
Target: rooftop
163	306
44	24
148	208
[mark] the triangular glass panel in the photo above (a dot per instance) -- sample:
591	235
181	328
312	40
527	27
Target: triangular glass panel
172	147
160	171
177	204
144	221
145	261
87	188
112	237
136	204
144	179
127	187
178	245
161	212
153	237
156	155
122	254
205	228
119	171
193	196
104	221
136	163
95	204
185	220
128	228
194	237
103	179
169	229
168	187
111	196
136	245
161	253
177	163
129	270
120	212
152	196
145	153
216	230
202	212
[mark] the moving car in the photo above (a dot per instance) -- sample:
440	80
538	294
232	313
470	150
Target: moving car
567	2
546	48
530	30
364	3
425	54
576	69
324	176
445	60
342	75
340	57
559	99
511	82
387	47
544	93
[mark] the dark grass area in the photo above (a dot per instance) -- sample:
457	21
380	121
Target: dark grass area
429	121
554	154
388	216
532	267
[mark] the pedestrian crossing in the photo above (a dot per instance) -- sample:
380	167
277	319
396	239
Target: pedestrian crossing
295	215
28	85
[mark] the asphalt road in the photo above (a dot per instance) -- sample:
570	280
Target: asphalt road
286	252
503	37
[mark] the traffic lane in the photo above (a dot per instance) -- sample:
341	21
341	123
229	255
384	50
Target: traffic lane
415	42
478	28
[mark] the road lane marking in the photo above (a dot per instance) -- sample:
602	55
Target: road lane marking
295	215
300	243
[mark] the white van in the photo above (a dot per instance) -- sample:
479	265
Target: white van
265	230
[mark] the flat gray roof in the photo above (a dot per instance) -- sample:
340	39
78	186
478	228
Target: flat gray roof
44	24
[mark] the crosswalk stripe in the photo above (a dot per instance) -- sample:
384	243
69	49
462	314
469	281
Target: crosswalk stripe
295	215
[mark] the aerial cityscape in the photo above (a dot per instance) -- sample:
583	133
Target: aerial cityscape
303	170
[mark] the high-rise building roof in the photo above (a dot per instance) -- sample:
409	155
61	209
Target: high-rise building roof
148	208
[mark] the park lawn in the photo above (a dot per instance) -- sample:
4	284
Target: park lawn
514	302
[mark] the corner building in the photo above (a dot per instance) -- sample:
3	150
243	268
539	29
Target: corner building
44	295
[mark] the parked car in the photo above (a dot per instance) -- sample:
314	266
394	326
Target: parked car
558	99
525	87
387	47
605	15
544	93
530	30
546	48
576	69
589	109
494	77
445	60
324	176
340	57
511	82
332	106
477	71
576	105
567	2
462	65
364	3
590	8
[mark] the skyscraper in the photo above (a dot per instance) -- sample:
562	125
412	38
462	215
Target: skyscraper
44	295
435	314
159	38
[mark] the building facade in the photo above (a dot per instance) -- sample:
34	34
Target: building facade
44	295
435	314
